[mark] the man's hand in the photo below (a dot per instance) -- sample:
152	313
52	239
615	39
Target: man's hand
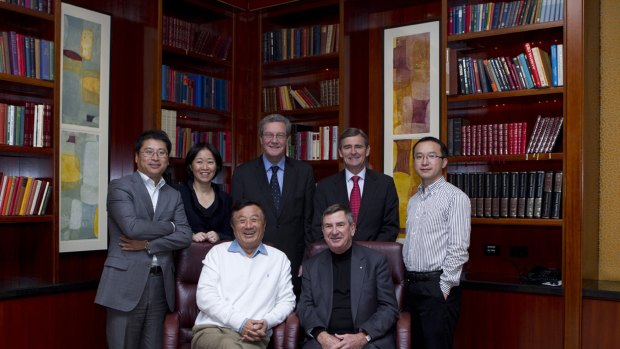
211	237
351	341
127	244
254	330
328	341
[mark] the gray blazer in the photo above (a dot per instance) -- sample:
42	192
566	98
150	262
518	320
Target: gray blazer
130	212
378	216
373	302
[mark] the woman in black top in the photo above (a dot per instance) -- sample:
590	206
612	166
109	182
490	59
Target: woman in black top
208	208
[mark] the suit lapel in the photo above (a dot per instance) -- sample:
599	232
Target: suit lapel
368	194
327	281
340	183
358	277
263	183
162	201
143	194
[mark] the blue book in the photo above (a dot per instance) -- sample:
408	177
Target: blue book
554	65
497	10
45	59
527	74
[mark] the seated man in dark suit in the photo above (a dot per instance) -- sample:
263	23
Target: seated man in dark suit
371	195
347	294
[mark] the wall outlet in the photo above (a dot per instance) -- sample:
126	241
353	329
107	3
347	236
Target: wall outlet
518	251
491	250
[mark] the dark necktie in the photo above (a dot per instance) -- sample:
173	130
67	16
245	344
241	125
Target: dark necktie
356	198
275	187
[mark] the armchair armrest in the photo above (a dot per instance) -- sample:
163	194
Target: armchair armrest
171	331
403	331
286	334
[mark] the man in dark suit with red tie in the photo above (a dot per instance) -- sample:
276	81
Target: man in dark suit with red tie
371	195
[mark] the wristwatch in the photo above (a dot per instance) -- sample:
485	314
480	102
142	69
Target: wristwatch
366	335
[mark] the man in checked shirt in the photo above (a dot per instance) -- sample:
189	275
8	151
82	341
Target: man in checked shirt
435	249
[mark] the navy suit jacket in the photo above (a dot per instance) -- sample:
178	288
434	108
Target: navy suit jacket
377	219
373	301
130	212
286	229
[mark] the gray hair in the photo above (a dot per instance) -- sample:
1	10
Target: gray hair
274	118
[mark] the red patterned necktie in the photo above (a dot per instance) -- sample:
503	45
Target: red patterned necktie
356	198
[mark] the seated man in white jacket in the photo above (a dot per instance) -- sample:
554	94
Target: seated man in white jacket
244	288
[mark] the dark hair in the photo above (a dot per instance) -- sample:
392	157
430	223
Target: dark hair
153	134
352	132
274	118
339	207
194	150
444	149
238	205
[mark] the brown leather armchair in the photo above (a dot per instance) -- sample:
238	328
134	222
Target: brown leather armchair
178	324
393	251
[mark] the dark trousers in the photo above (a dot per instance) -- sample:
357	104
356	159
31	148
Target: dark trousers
142	327
433	318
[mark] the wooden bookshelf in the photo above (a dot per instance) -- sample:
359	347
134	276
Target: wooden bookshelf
29	244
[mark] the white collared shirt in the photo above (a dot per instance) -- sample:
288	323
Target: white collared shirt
348	175
153	190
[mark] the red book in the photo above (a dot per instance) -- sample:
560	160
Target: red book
28	124
8	192
532	63
47	126
17	195
45	198
3	109
522	140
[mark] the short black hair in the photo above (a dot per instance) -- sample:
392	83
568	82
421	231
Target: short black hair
153	134
444	149
238	205
194	150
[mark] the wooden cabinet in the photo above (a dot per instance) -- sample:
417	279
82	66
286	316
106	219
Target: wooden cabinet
300	78
29	243
196	80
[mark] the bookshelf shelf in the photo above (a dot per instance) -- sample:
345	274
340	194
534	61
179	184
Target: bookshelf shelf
505	31
499	159
517	221
325	64
506	94
26	219
185	54
7	7
195	110
308	113
18	151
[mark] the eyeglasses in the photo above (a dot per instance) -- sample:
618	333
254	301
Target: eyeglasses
148	152
278	136
429	157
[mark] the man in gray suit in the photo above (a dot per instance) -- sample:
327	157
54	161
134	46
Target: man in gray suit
284	187
371	195
347	298
146	223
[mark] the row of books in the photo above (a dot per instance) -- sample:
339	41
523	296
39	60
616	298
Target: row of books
330	92
308	144
28	125
290	43
37	5
532	69
502	138
533	194
183	138
288	98
494	15
194	37
26	56
23	196
195	89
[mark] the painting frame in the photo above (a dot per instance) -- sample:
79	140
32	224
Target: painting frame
411	100
84	129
